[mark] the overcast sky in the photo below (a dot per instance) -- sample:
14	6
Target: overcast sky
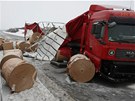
16	13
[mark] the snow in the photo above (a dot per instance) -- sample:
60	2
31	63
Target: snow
37	93
19	33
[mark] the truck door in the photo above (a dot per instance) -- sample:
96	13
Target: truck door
97	38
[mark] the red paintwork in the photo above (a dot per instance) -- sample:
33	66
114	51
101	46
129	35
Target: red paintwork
34	27
77	32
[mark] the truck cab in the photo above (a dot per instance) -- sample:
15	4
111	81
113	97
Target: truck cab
111	42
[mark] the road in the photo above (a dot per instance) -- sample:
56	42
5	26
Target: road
55	82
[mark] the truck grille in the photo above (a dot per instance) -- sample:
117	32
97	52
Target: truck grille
128	54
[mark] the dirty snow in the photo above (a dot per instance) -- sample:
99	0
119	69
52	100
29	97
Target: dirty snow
37	93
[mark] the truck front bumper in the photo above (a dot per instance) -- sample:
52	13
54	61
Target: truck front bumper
117	71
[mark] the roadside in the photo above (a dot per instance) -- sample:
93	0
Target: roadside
53	84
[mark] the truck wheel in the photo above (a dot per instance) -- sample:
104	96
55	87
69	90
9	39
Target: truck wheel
80	68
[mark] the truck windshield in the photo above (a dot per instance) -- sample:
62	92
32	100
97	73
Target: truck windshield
122	33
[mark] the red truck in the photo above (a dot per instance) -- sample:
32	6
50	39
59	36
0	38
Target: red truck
107	37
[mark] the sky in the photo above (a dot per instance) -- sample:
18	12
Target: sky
16	13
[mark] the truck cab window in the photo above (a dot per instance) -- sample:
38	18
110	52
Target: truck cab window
122	33
102	31
98	29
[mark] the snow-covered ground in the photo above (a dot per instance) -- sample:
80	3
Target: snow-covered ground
50	80
19	33
37	93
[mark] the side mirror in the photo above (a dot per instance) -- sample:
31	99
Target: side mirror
112	24
96	29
